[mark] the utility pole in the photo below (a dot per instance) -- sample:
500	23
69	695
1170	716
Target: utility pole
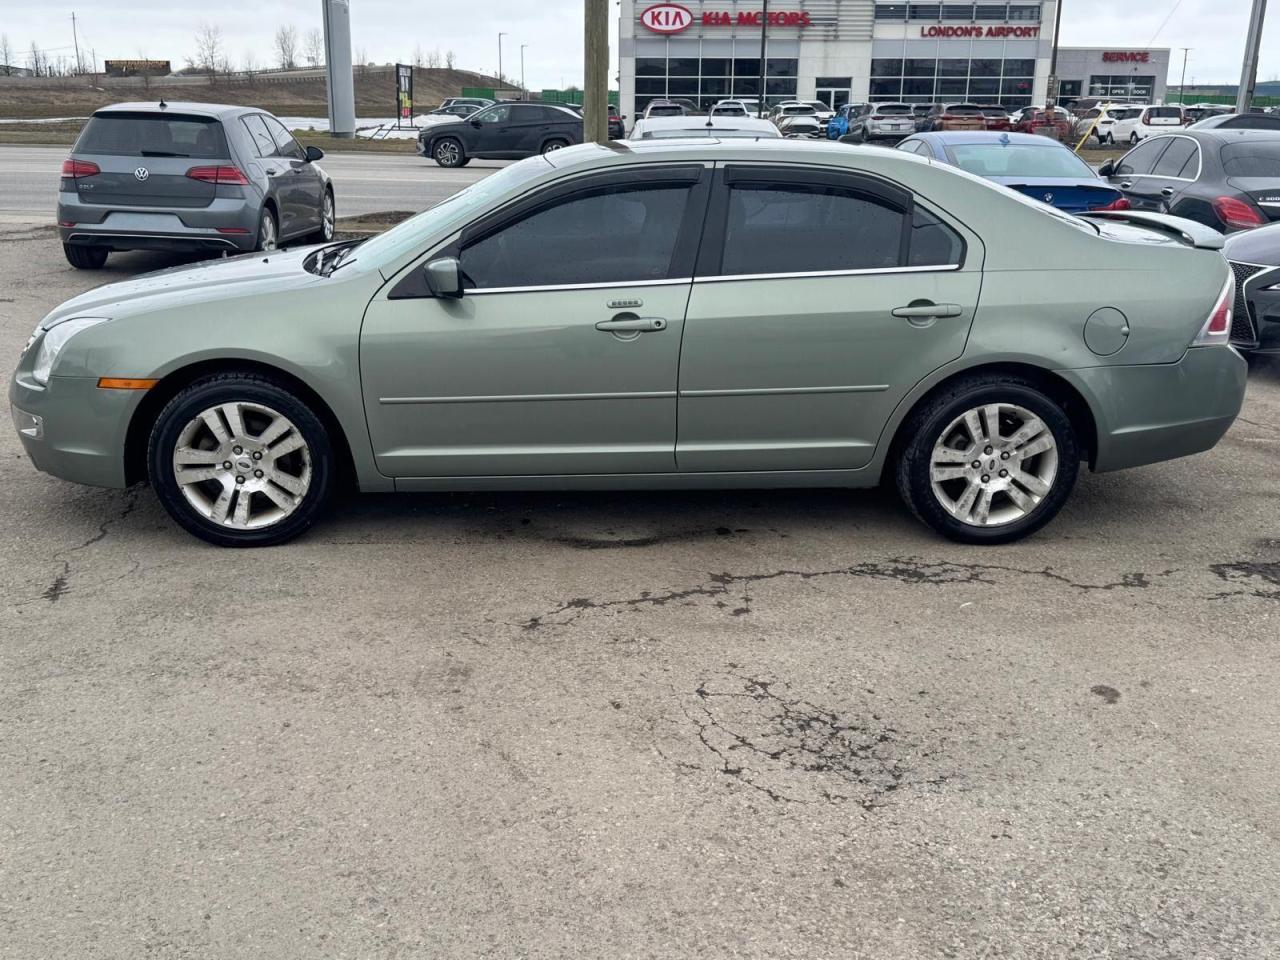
76	40
524	91
764	42
500	80
1252	45
1051	93
595	95
1182	87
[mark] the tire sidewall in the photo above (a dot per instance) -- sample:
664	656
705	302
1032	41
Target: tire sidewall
913	468
435	152
188	404
275	223
551	146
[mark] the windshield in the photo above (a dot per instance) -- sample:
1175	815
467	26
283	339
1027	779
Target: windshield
1018	160
1257	158
454	211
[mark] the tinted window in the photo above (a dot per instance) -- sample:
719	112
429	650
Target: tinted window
1179	160
286	146
528	113
493	114
1164	113
933	243
1141	159
153	135
1252	121
600	236
799	228
260	135
1256	159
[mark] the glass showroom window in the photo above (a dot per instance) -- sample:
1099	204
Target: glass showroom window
981	12
982	80
710	79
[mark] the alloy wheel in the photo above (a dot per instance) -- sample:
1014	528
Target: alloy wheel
267	232
327	216
242	465
448	154
993	465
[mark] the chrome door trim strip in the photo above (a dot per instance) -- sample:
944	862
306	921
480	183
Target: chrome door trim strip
533	397
608	285
878	271
782	391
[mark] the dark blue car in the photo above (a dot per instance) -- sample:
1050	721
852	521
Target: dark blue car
1031	164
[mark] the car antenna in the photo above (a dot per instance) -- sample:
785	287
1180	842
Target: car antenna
163	105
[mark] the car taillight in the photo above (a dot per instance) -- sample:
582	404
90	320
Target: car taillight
215	175
1217	329
1120	203
1237	214
75	169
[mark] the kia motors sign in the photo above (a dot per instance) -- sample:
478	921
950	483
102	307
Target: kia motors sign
667	18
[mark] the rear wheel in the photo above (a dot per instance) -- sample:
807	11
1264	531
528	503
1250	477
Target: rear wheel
449	153
268	231
989	460
85	258
1133	138
551	146
239	461
328	214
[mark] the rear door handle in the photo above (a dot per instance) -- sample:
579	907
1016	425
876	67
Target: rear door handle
633	325
1167	191
925	309
1125	185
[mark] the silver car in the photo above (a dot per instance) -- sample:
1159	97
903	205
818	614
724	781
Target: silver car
191	177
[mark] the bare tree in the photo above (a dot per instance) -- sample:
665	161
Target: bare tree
313	47
209	57
433	58
362	60
417	55
450	58
36	60
287	47
251	65
6	55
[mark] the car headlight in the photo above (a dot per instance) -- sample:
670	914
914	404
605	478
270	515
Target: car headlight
55	338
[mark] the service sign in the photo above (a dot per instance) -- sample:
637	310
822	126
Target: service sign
667	18
1126	56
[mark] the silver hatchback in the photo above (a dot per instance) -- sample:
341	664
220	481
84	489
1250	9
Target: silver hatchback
189	177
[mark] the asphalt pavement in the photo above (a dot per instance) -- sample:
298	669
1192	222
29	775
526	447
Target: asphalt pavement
363	182
639	725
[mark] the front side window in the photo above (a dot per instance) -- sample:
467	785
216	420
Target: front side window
286	146
261	136
603	235
495	114
1139	161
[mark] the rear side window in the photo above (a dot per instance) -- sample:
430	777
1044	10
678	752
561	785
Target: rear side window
1252	159
1179	160
608	235
933	243
802	228
529	114
260	135
153	135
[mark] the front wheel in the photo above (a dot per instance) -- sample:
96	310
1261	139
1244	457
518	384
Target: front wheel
1133	139
85	258
990	460
449	153
239	461
551	146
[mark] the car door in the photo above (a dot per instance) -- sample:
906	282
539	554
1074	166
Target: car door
527	125
821	298
562	354
1132	174
302	186
490	136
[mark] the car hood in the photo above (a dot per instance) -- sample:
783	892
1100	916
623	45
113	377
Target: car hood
253	273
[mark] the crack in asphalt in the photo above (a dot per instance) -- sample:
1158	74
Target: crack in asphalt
909	570
60	586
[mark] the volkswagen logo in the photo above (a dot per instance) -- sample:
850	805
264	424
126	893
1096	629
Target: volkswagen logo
141	173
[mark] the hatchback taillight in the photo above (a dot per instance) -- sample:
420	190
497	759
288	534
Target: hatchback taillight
75	169
225	175
1217	329
1237	214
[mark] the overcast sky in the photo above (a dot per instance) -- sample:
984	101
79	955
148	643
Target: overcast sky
390	29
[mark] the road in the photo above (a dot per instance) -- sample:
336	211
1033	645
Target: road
364	182
639	725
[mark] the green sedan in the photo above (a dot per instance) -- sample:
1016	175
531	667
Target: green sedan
656	315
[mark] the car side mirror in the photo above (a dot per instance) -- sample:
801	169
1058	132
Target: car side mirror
314	154
476	124
1107	169
444	278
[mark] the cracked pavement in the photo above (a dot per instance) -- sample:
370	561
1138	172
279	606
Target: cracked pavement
752	724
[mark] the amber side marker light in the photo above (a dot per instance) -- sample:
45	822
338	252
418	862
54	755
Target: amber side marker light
125	383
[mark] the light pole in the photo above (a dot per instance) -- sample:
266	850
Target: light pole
524	91
1252	45
764	39
1051	98
500	36
1182	87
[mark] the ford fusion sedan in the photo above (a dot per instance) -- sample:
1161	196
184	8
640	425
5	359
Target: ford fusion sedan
503	131
188	176
651	315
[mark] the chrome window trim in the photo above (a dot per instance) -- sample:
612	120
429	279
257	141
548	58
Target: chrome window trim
1152	176
601	285
869	272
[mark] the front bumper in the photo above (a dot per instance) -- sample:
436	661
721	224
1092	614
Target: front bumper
82	429
1154	412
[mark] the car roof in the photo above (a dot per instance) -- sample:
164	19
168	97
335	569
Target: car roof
191	108
702	149
1229	135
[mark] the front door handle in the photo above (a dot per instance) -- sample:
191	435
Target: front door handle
632	325
1126	184
923	308
1167	192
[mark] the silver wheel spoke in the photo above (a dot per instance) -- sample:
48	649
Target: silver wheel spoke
291	484
1031	428
983	510
974	426
279	427
231	411
242	508
184	456
1032	483
288	446
215	425
949	473
950	455
1022	501
1039	445
220	507
991	419
196	474
278	497
966	501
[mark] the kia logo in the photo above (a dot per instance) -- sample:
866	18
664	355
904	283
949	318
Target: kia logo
142	173
667	18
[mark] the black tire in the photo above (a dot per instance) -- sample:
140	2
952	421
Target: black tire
319	235
85	258
244	387
554	144
449	152
925	427
268	232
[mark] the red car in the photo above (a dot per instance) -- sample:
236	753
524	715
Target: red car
1054	123
996	118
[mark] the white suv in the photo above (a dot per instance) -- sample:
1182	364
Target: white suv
1149	122
1107	115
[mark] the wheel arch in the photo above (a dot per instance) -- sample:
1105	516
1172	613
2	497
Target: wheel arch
1056	387
154	400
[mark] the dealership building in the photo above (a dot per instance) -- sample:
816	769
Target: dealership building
840	51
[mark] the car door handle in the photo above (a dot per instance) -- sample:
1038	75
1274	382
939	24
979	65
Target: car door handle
926	309
1167	191
632	325
272	171
1126	184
